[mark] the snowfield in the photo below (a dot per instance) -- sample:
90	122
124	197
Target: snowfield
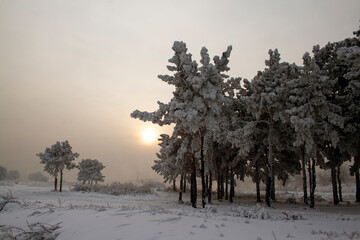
83	215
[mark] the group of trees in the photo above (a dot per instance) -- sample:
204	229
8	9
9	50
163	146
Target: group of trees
8	175
59	157
287	120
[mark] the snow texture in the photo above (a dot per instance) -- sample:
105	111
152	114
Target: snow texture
84	215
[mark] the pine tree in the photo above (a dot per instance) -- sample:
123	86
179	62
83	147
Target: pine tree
90	171
267	104
312	115
339	61
196	104
57	158
348	53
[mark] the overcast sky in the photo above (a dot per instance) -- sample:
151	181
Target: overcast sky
75	70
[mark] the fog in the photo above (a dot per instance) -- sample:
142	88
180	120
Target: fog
75	70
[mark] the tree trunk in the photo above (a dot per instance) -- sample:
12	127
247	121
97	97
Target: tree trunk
184	184
55	182
193	185
257	176
357	182
269	163
210	187
356	167
61	179
339	183
232	185
207	183
227	183
202	173
222	190
334	185
181	188
268	184
218	183
312	179
304	176
174	185
273	184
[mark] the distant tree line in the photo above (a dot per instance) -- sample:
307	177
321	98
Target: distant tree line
287	120
59	157
8	175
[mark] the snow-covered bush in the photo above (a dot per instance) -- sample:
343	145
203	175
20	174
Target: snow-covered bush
38	177
153	184
114	188
7	198
256	212
36	231
90	171
13	175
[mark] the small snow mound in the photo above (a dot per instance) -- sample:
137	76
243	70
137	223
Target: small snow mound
202	226
256	212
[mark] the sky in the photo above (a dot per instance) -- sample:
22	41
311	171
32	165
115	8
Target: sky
75	70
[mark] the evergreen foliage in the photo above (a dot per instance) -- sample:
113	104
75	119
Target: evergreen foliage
90	171
57	158
285	121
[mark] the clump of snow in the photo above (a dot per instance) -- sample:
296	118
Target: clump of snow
256	212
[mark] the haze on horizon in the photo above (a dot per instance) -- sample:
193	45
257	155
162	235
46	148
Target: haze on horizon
75	70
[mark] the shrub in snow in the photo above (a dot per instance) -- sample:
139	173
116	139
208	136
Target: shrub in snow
114	188
90	171
7	198
256	212
292	216
13	175
38	177
291	200
153	184
36	231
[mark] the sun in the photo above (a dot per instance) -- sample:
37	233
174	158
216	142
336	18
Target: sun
149	135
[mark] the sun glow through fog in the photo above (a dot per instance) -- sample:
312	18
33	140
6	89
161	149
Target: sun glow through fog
149	136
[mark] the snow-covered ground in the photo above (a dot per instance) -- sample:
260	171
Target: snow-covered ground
82	215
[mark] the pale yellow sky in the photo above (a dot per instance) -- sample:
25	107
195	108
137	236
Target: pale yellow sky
75	70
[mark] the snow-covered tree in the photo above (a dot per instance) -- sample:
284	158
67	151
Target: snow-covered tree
314	118
174	159
90	171
267	103
247	135
341	62
196	104
57	158
348	54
